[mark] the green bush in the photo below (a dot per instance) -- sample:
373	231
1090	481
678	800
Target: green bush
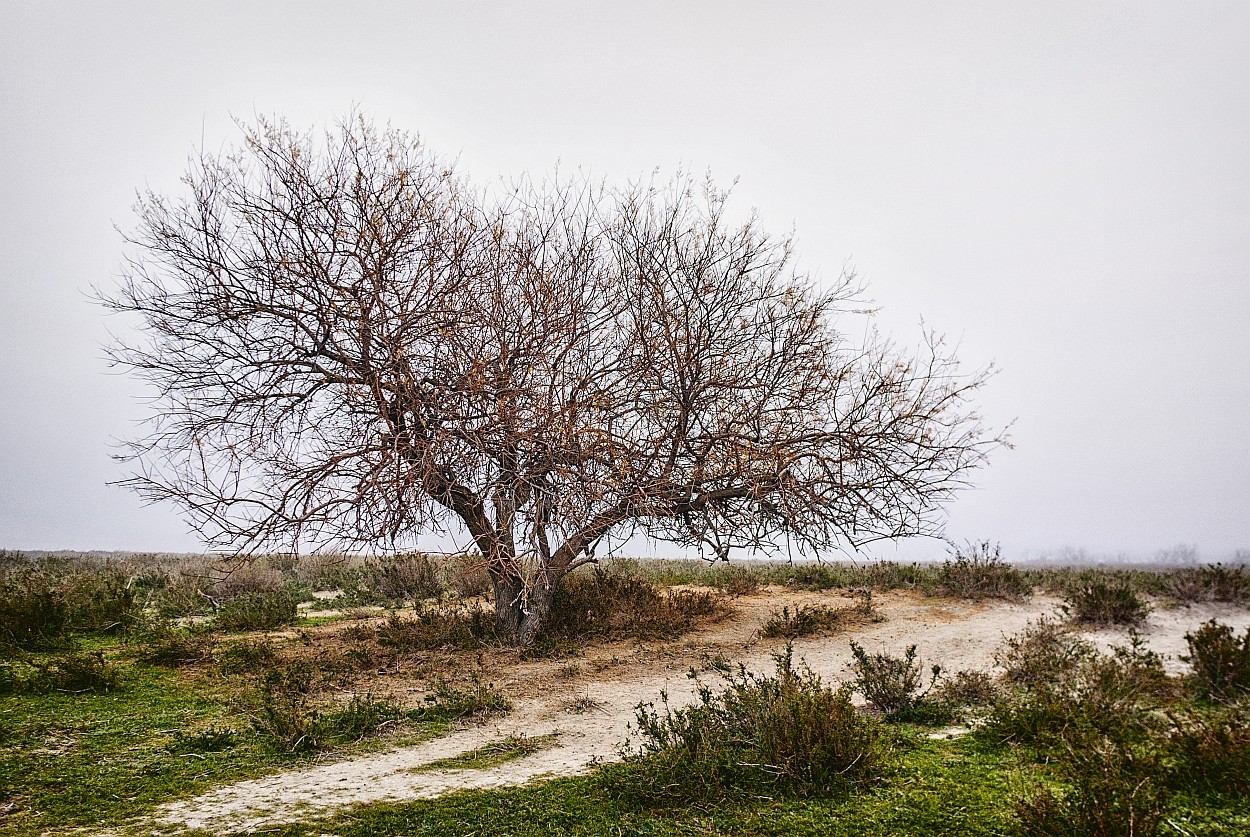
892	685
214	739
433	627
808	620
175	647
103	601
1105	601
247	656
284	714
257	612
977	571
736	580
448	702
1211	583
804	620
1043	652
1212	748
76	673
360	718
1060	689
1220	661
1109	791
760	735
34	612
618	603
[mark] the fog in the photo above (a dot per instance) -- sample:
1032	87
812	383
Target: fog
1063	189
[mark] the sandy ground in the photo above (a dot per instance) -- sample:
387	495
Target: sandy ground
589	710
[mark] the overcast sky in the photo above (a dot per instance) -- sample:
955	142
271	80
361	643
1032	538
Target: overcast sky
1061	188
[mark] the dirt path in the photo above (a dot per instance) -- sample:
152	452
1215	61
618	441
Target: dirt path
589	712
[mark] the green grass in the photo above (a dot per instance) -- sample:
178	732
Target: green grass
494	754
73	760
933	788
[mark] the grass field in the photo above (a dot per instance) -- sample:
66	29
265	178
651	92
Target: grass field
127	685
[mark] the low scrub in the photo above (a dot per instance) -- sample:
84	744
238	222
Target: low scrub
760	735
894	686
70	673
1106	601
257	612
1220	660
247	656
176	647
617	603
438	627
1211	746
34	612
977	571
450	702
1211	583
810	620
1106	790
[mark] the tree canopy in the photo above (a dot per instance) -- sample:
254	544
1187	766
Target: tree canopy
351	344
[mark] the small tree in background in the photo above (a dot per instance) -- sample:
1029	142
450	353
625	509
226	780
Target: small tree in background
351	345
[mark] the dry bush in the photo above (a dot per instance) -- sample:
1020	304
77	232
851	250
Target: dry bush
977	571
1105	601
435	627
1220	661
787	733
1212	583
617	603
1111	791
467	575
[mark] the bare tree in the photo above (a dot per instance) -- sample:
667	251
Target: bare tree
351	345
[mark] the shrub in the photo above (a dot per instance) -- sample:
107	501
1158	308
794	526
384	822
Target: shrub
1212	748
968	689
76	673
1220	661
807	620
891	685
1112	791
818	576
432	627
407	577
1064	691
257	612
1043	652
977	571
1106	602
468	576
360	718
447	702
736	581
1212	583
34	614
103	601
247	656
618	603
173	648
284	714
214	739
788	733
183	596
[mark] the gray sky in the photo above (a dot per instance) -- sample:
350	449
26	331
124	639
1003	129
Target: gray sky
1061	188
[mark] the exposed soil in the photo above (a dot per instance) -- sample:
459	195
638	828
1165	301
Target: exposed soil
589	701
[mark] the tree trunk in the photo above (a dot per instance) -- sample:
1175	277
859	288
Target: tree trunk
520	614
